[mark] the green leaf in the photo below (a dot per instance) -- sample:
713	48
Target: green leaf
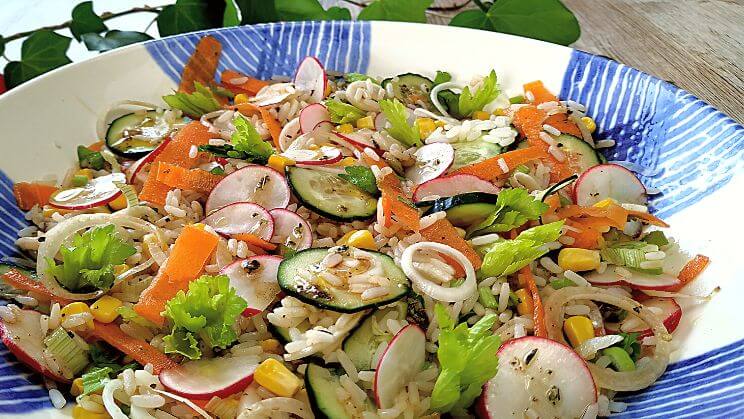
396	114
95	379
505	257
352	77
88	158
231	16
257	11
189	16
343	113
475	19
548	20
85	20
246	144
113	39
338	13
514	207
631	345
656	237
486	93
309	10
396	10
361	177
442	77
41	52
194	104
183	342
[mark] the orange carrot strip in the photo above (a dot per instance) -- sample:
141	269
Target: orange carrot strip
195	179
587	238
395	203
255	240
691	270
490	169
442	231
369	161
192	250
201	65
29	194
138	349
529	121
274	127
561	122
247	109
97	146
649	218
539	92
538	313
17	280
250	87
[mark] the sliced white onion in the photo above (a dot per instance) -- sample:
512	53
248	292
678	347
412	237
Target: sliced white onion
589	348
185	401
434	96
436	291
108	399
102	122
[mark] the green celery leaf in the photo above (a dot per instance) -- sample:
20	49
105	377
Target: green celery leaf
181	341
547	20
194	104
442	77
656	237
113	39
309	10
361	177
395	112
451	100
628	254
343	113
231	16
43	51
488	91
444	320
95	379
247	140
396	10
257	11
474	19
446	391
352	77
128	314
85	20
514	207
505	257
188	16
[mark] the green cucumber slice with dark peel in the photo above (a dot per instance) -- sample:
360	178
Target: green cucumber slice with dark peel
136	134
471	152
330	196
411	89
363	340
323	385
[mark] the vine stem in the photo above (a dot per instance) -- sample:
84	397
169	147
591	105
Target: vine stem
104	16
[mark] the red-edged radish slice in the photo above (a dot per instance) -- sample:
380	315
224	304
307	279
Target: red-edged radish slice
447	186
291	230
432	161
539	375
311	77
258	184
638	280
670	313
609	181
322	156
240	218
312	115
96	193
207	378
401	361
357	141
23	339
137	166
254	279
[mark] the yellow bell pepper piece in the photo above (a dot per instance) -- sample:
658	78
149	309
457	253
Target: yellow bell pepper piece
482	115
425	126
366	122
362	239
578	329
345	128
77	307
589	123
279	380
605	202
79	413
77	387
85	172
347	161
279	163
119	203
577	260
104	310
241	98
525	306
345	238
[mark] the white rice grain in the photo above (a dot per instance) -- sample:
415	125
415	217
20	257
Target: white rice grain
551	130
148	401
503	297
57	399
576	278
347	365
502	165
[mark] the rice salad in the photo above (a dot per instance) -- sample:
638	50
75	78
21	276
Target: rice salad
343	246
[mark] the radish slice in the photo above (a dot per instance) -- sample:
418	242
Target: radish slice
432	161
139	164
671	313
312	115
322	156
399	364
258	184
207	378
639	280
538	375
609	181
254	279
23	339
242	217
311	77
291	230
448	186
96	193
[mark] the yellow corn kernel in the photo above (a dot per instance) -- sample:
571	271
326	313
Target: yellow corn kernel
605	202
499	112
241	98
362	239
439	124
79	413
271	346
577	260
578	329
482	115
104	310
366	122
77	307
119	203
525	306
279	163
85	172
345	238
425	126
589	123
345	128
279	380
77	387
347	161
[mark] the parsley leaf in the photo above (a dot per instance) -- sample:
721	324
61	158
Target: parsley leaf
352	77
362	177
514	207
343	113
194	104
488	91
397	117
505	257
631	345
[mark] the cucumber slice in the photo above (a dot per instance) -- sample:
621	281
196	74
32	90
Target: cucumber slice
330	196
323	385
320	293
363	341
581	152
411	89
282	333
149	128
466	209
471	152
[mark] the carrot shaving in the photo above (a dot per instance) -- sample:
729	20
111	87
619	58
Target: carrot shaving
538	312
250	87
201	65
649	218
558	121
138	349
396	203
692	269
369	161
29	194
17	280
529	121
561	123
97	146
274	127
255	240
490	169
194	179
539	93
442	231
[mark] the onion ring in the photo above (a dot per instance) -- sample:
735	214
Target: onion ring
436	291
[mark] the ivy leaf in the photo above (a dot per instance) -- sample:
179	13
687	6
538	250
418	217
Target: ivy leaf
231	17
475	19
113	39
2	45
189	16
85	20
547	20
309	10
42	51
338	13
396	10
257	11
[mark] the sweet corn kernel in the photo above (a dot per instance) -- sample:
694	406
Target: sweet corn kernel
589	123
119	203
85	172
366	122
279	380
439	124
49	211
577	260
120	269
345	238
347	161
499	112
362	239
578	329
241	98
425	126
345	128
525	306
279	163
79	413
104	310
77	307
271	346
605	202
482	115
77	387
